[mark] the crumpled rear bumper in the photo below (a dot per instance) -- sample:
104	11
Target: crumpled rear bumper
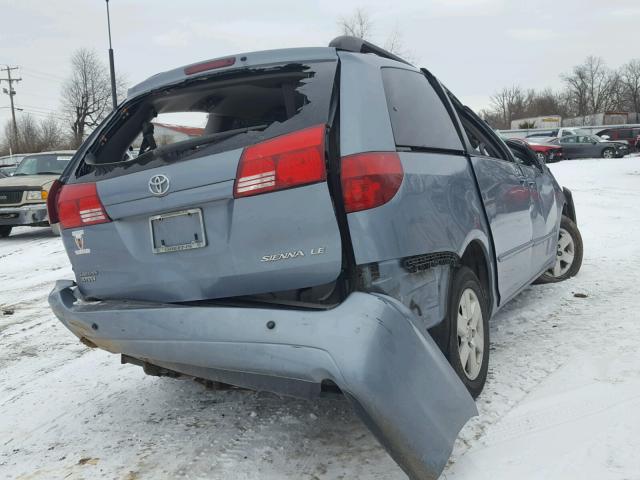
396	377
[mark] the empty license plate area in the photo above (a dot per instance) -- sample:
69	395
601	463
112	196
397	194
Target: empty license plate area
178	231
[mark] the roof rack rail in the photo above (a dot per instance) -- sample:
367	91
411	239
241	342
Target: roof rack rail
358	45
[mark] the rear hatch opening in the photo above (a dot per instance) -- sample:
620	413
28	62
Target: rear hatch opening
235	202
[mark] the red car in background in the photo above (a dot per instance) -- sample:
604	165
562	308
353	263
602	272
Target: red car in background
545	153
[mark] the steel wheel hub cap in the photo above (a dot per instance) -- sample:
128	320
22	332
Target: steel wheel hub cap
564	255
470	334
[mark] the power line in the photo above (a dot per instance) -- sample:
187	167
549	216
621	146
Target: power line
34	76
46	109
42	73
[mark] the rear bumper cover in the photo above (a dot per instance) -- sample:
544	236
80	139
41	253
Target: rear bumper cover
24	215
399	382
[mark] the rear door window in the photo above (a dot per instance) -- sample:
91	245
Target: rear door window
418	117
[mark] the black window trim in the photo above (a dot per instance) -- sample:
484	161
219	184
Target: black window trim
444	98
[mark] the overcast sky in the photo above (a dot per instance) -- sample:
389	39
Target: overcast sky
475	47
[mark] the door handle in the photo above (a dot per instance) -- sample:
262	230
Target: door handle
532	183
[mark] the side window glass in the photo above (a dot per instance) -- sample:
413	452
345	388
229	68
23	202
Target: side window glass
418	116
524	156
481	143
568	140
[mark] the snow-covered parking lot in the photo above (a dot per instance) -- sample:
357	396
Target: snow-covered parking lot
560	402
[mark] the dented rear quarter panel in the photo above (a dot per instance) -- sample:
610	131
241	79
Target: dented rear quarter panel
438	207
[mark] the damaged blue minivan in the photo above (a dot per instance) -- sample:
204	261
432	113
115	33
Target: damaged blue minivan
339	223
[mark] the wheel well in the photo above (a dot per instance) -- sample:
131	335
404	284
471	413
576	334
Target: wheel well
475	258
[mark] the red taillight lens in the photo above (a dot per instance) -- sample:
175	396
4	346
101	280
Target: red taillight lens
369	179
212	65
52	202
79	205
287	161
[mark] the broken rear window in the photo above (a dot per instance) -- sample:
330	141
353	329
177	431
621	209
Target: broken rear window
205	116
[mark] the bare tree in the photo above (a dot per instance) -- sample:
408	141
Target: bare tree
509	103
357	25
86	95
360	25
630	84
592	87
28	134
51	135
33	136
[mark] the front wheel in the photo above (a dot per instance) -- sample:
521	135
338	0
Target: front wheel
568	254
5	231
608	153
463	336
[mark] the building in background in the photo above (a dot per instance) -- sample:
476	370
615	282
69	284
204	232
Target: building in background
603	118
546	121
523	127
166	134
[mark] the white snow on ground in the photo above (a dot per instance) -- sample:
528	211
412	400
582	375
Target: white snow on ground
560	403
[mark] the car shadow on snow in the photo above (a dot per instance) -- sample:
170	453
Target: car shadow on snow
29	233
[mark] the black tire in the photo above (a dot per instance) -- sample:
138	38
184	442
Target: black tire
5	231
572	229
446	333
608	153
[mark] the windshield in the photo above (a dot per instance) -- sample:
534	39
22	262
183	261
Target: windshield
46	164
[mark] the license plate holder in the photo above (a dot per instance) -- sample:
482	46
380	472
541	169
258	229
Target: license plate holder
177	231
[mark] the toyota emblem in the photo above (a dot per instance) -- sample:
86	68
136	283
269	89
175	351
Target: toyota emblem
159	185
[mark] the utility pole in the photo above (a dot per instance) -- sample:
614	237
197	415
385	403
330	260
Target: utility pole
114	97
11	92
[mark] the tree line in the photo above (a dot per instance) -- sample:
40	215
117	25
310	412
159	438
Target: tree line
589	88
85	100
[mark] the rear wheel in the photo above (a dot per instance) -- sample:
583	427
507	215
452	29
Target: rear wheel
5	230
464	334
608	153
568	254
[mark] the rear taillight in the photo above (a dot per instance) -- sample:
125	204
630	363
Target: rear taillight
79	205
369	179
52	202
287	161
